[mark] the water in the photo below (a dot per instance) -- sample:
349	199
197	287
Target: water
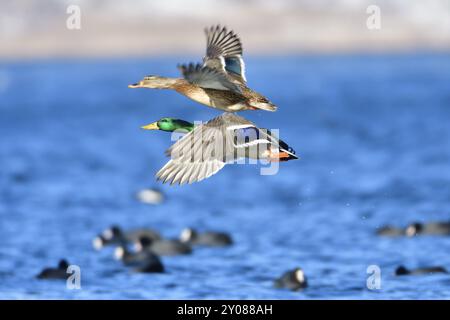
373	134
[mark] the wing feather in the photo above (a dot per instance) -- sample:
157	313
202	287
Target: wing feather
197	155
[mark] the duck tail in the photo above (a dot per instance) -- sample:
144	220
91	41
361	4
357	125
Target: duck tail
290	156
282	155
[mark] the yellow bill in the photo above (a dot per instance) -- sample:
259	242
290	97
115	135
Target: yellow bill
151	126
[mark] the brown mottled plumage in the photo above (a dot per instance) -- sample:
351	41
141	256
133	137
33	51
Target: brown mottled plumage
219	99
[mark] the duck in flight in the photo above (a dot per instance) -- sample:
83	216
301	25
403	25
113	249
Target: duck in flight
207	148
219	82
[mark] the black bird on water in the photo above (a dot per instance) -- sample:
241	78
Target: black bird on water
55	273
293	280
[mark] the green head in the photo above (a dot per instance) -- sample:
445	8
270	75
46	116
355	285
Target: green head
170	125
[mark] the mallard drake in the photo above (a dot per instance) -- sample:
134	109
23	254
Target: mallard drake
219	82
205	149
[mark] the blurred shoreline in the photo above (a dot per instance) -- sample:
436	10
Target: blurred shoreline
198	56
30	29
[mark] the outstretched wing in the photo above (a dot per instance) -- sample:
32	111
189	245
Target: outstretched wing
207	77
224	52
202	152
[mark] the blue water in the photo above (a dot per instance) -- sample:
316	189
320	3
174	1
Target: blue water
373	134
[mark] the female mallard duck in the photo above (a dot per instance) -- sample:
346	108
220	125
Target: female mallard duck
206	148
219	82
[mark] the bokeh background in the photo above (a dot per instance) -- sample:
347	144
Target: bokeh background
366	110
116	28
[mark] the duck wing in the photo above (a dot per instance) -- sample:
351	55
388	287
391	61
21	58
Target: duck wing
202	152
208	78
224	52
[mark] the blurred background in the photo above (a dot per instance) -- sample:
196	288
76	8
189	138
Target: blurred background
116	28
366	109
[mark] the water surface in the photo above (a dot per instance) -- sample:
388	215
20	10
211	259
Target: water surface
373	134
